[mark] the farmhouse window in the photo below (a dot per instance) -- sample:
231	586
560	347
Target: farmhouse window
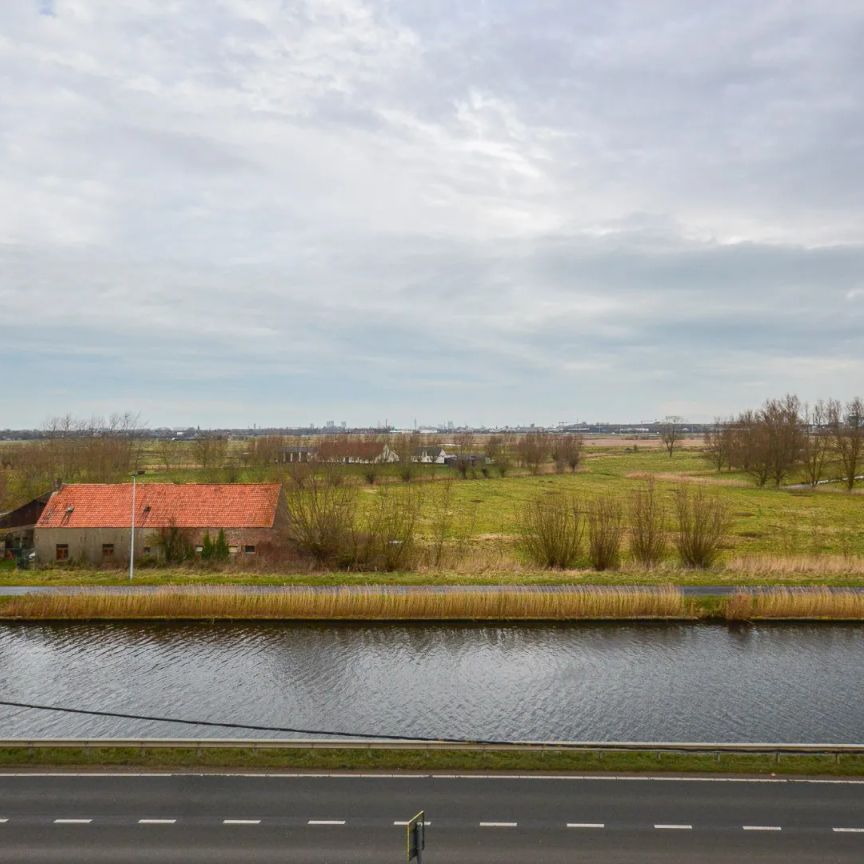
62	552
249	550
146	550
107	550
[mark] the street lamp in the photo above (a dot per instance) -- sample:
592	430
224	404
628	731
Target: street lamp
132	538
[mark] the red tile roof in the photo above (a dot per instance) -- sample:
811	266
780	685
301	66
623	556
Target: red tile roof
158	505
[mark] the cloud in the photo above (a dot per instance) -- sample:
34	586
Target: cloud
495	213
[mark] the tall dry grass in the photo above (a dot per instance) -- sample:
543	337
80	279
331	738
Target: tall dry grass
766	564
359	604
805	603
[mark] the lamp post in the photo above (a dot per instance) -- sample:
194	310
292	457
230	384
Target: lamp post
132	538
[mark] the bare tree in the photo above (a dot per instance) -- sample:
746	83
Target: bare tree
567	451
498	450
816	441
533	450
405	447
847	428
210	450
784	434
718	443
670	432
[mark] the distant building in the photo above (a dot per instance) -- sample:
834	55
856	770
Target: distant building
430	455
298	454
346	449
91	522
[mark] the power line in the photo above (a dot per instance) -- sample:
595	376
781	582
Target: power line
247	726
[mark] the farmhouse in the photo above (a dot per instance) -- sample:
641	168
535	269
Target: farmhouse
91	522
430	455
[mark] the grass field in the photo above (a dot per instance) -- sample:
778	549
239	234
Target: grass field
776	536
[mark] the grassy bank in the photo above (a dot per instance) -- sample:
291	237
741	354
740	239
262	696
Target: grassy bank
364	605
436	760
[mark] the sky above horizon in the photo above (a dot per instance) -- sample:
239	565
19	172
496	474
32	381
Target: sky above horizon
252	211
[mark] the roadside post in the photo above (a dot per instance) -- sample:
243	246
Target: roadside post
416	837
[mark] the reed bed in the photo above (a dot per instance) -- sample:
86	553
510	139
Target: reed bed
797	565
813	603
359	604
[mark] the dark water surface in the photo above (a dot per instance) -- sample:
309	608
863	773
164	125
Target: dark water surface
785	683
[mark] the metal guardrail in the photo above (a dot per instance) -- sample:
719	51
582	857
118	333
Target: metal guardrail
407	744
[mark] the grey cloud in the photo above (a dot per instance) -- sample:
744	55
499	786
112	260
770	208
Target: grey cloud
496	212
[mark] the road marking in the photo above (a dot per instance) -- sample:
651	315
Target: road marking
586	824
241	821
72	821
837	830
156	821
674	827
426	824
2	821
498	824
761	828
326	822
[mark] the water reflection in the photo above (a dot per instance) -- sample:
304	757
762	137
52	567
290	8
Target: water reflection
578	682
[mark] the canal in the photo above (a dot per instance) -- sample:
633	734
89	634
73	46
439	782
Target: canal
600	682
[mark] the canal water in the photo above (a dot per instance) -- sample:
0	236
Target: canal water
598	682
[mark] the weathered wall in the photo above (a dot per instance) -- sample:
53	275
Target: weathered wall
85	544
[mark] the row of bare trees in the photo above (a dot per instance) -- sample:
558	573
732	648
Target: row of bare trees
552	528
102	450
786	437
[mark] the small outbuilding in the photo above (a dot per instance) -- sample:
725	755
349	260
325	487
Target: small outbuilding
92	522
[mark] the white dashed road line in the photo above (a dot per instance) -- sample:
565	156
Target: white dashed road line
157	821
761	828
326	822
3	820
72	821
404	822
586	824
241	821
674	827
848	830
498	824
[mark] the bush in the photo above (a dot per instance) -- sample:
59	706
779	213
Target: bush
551	531
321	516
605	530
703	520
647	525
386	540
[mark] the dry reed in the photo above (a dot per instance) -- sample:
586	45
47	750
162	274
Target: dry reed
356	604
804	603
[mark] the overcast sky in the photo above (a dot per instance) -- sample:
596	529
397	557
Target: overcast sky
226	212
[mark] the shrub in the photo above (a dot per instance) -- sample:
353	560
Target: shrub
703	520
321	516
550	529
386	540
647	525
605	529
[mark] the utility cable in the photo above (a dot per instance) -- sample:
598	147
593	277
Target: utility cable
247	726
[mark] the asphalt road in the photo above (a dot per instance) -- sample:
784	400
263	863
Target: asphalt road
327	819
